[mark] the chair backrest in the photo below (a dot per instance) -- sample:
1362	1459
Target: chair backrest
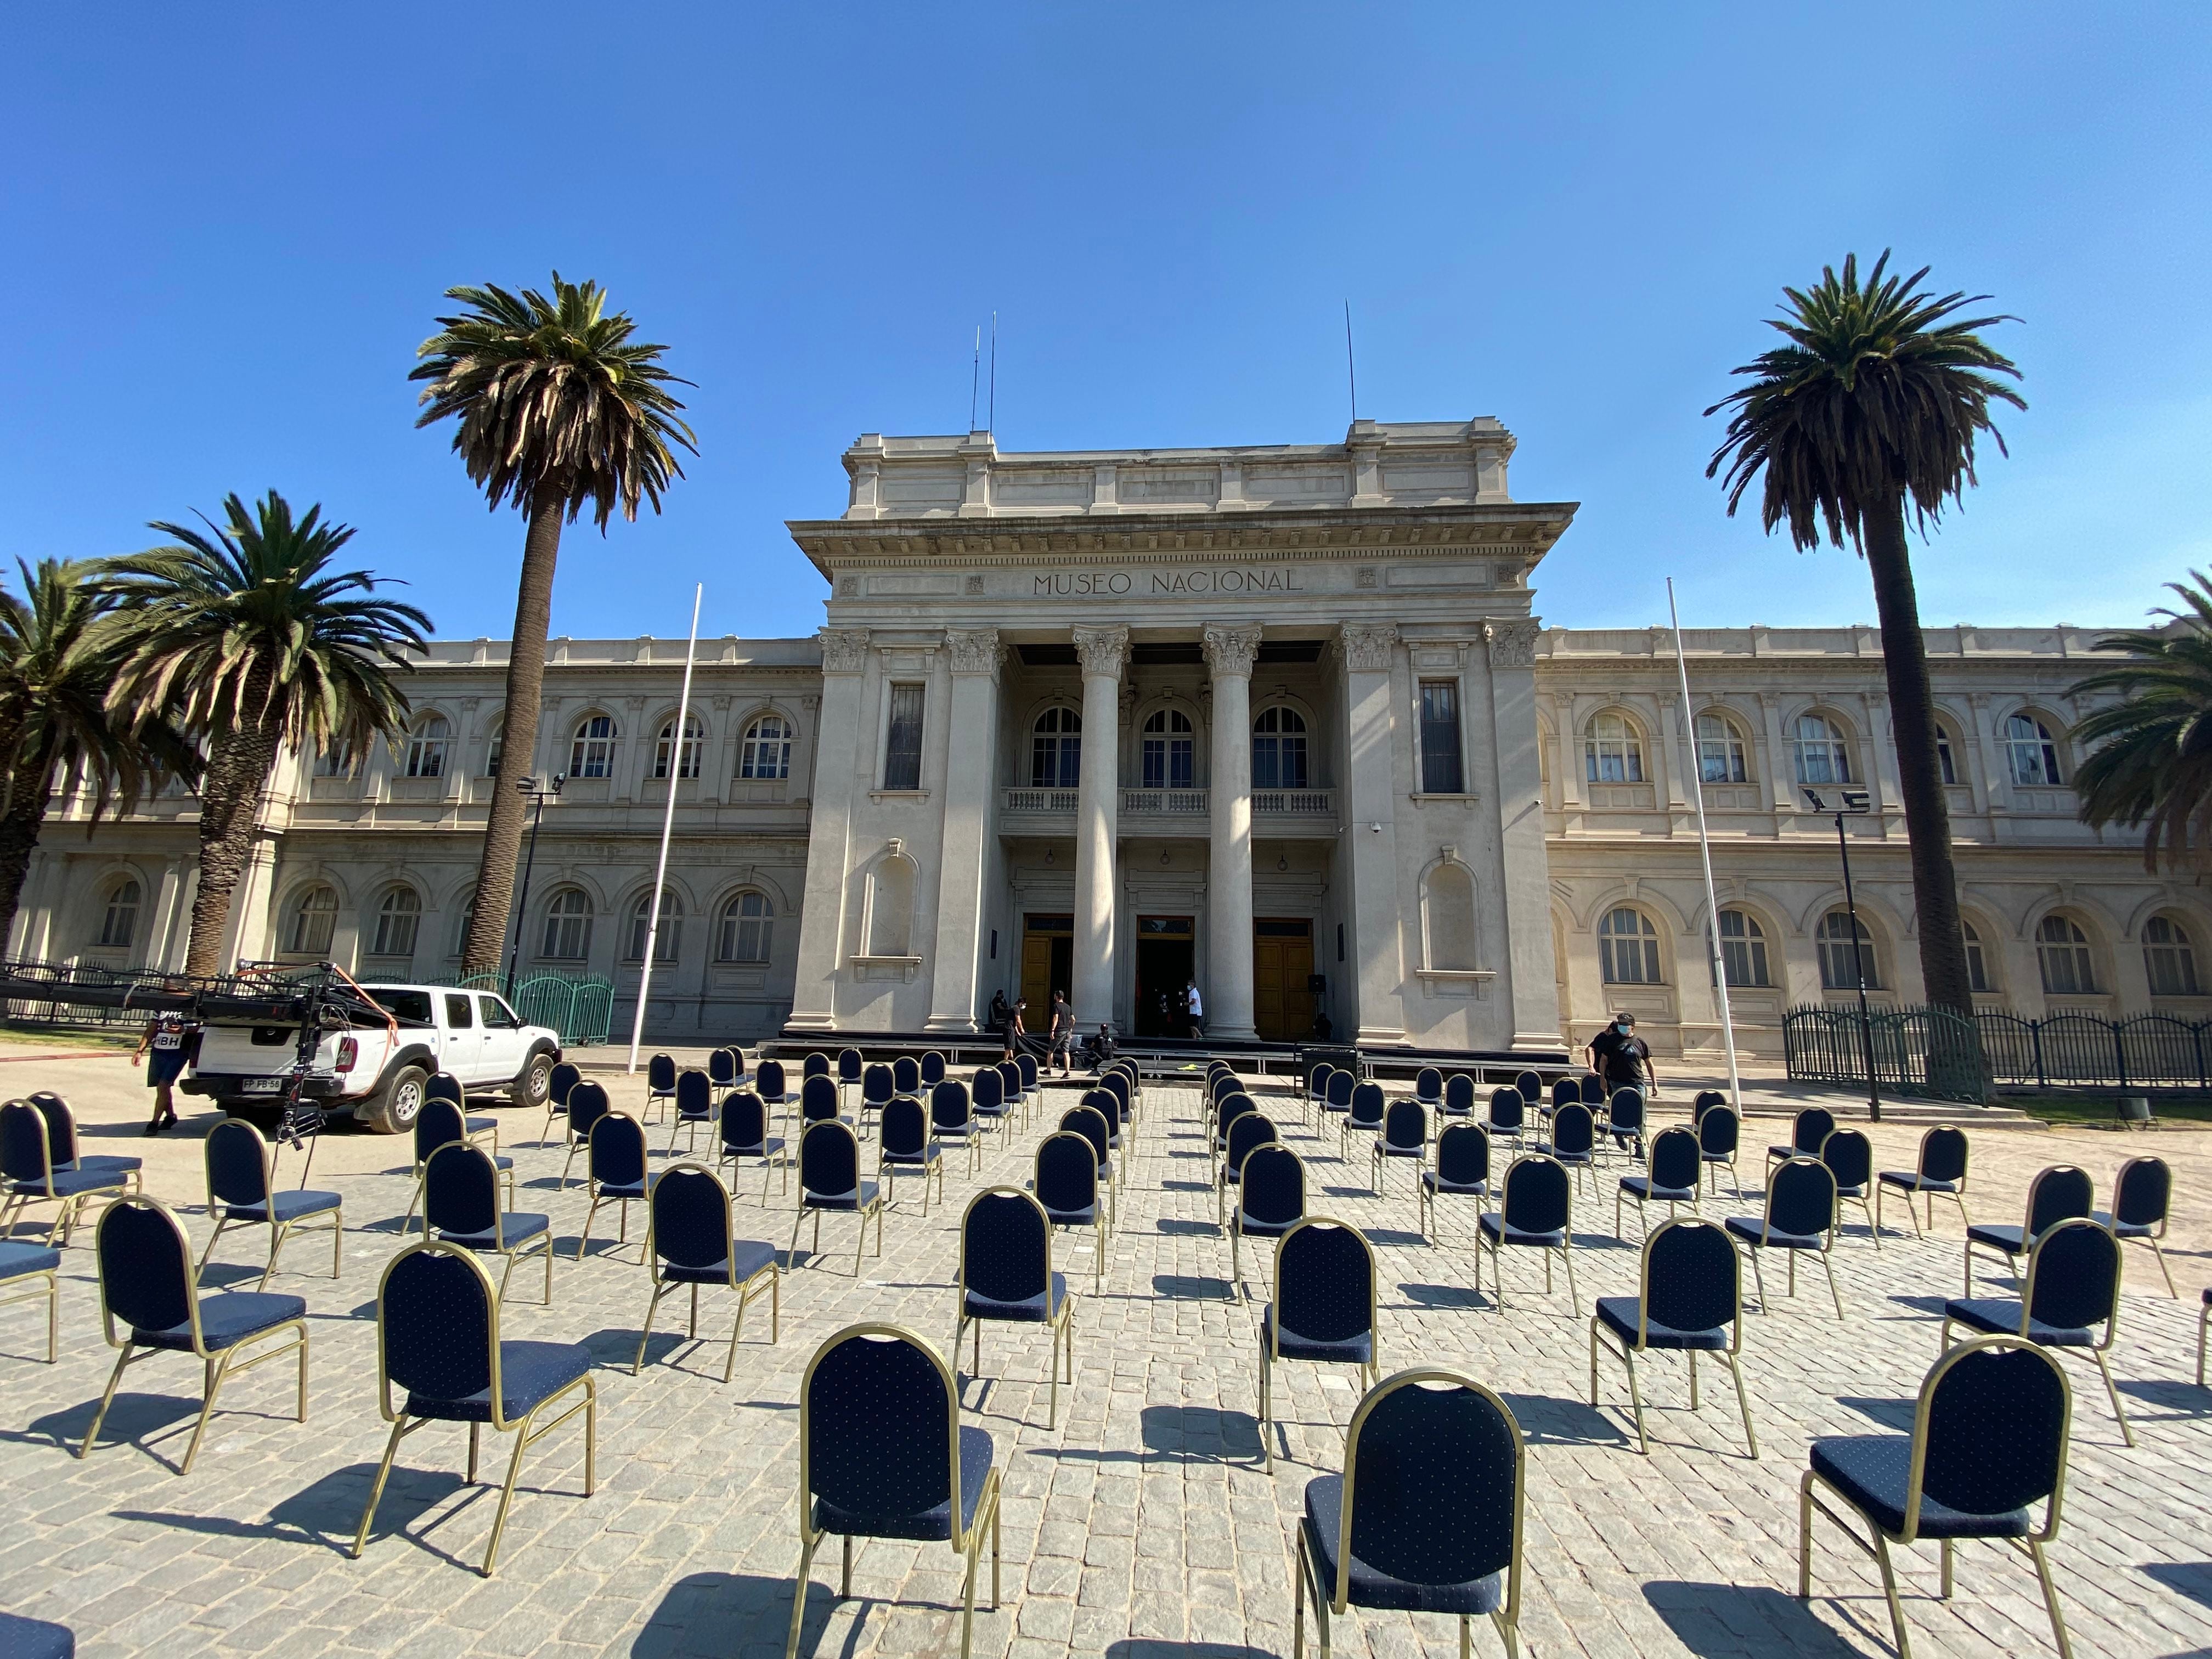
1990	1435
745	1122
1459	1092
1340	1084
460	1188
1367	1106
660	1073
1801	1197
690	1222
1693	1277
2143	1192
587	1104
2074	1276
818	1098
237	1165
1625	1111
2058	1194
1674	1161
850	1065
1530	1084
1573	1130
1719	1130
437	1324
1273	1185
932	1069
1010	1081
1086	1123
24	1153
1253	1129
1595	1093
1539	1195
443	1085
1811	1126
1116	1081
1507	1109
437	1124
1317	1079
145	1266
877	1084
694	1094
1705	1101
1006	1246
1429	1085
1433	1482
948	1105
1066	1171
1232	1107
1406	1124
61	1125
1565	1091
906	1075
722	1067
877	1422
1027	1066
988	1092
1943	1153
769	1080
1463	1153
562	1079
1849	1156
828	1160
815	1064
905	1126
1324	1281
618	1156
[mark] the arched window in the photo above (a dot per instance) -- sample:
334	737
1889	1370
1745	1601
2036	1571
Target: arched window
314	915
1279	749
1166	751
494	739
1447	917
1613	750
1721	754
746	921
640	919
688	764
569	926
890	907
396	918
765	754
2032	751
1628	947
1743	950
592	754
1947	759
336	762
1978	977
2169	956
466	915
426	747
118	922
1056	749
1823	755
1844	956
2062	950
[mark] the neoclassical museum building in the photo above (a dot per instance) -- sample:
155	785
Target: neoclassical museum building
1280	721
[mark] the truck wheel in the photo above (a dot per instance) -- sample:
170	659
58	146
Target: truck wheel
394	1111
534	1082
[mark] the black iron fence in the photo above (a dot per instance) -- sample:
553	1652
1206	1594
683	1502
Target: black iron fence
2059	1051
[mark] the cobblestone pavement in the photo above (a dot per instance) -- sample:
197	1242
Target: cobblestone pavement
1143	1525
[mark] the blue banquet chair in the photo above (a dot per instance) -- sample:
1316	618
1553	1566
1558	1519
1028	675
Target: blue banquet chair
1689	1300
932	1069
1065	1182
1405	1137
1363	1117
2143	1195
460	1205
617	1173
1251	1130
69	1154
906	1075
1807	1131
660	1082
1671	1177
2060	1192
440	1124
1341	1083
1459	1095
26	1161
239	1191
1271	1200
1849	1157
694	1109
903	1142
692	1239
952	1117
1536	1212
559	1082
1800	1216
1006	1274
588	1103
1463	1167
1941	1172
724	1067
1323	1309
2073	1287
1089	1122
1429	1087
830	1183
1720	1135
28	1272
1574	1140
745	1135
819	1102
879	1088
1508	1115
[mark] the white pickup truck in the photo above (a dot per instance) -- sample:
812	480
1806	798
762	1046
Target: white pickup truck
380	1071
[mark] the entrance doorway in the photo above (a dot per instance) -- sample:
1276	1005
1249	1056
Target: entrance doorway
1048	964
1165	964
1282	971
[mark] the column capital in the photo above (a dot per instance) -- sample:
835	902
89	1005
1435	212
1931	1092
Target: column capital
1231	650
844	650
975	650
1512	643
1102	651
1367	646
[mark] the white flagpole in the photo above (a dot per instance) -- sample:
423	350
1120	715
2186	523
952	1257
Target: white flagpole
667	827
1704	853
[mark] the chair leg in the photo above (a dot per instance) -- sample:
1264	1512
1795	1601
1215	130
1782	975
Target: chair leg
1805	1537
1574	1290
277	1236
376	1487
651	1307
589	1215
1833	1292
2050	1599
106	1399
216	1370
506	1494
337	1240
1743	1404
791	1255
2163	1268
2111	1392
215	1237
1759	1282
1889	1591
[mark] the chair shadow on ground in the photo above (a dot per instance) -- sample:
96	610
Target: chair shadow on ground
1178	1228
1549	1421
132	1421
1191	1287
736	1612
1178	1434
1733	1620
1186	1186
2190	1579
1893	1414
1931	1306
2181	1401
325	1512
1445	1297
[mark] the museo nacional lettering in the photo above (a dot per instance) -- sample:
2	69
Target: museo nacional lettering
1206	580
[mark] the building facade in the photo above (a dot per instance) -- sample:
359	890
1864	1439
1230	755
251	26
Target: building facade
1276	722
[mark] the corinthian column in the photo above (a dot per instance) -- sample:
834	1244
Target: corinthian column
1102	652
1229	652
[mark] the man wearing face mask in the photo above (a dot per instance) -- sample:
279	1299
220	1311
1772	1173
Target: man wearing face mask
1621	1059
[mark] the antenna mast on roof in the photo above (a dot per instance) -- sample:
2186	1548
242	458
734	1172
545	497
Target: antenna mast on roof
1350	371
975	376
992	415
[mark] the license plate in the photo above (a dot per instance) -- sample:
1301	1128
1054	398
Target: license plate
263	1085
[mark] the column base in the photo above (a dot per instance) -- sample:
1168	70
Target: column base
1382	1036
952	1025
799	1022
1534	1041
1232	1033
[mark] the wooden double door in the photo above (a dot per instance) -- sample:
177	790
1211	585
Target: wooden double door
1282	976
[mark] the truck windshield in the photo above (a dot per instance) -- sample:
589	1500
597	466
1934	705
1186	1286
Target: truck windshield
409	1007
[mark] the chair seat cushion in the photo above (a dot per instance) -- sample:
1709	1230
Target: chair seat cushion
1871	1470
1569	1158
767	1148
226	1321
1030	1310
1085	1216
115	1165
2123	1229
1383	1148
1618	1314
1997	1237
513	1229
1348	1351
750	1255
67	1183
477	1126
34	1638
956	1131
1913	1182
1253	1227
16	1260
530	1373
930	1525
927	1156
1996	1315
1640	1188
1783	1151
1322	1525
290	1205
1753	1230
1437	1183
1495	1230
859	1199
619	1189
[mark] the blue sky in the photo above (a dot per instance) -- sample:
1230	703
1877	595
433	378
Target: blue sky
226	228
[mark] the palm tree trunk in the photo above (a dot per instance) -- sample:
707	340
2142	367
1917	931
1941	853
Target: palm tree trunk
231	789
21	817
525	693
1953	1054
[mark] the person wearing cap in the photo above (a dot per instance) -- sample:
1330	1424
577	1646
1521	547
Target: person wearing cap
1621	1059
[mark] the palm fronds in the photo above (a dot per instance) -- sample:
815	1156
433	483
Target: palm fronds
2150	760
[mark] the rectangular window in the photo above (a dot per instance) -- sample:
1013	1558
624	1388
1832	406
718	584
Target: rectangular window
902	746
1440	758
459	1016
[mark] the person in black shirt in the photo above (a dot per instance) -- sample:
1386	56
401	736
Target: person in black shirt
1621	1059
172	1040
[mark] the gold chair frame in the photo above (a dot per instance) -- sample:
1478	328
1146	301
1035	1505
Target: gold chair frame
1642	1346
2096	1351
749	1290
1566	1250
1060	1323
278	1230
1271	1351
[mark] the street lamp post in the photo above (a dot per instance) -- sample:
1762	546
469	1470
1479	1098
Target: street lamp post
1854	804
537	792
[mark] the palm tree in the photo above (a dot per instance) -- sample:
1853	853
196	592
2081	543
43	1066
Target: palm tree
2150	755
246	638
61	643
1866	417
559	409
